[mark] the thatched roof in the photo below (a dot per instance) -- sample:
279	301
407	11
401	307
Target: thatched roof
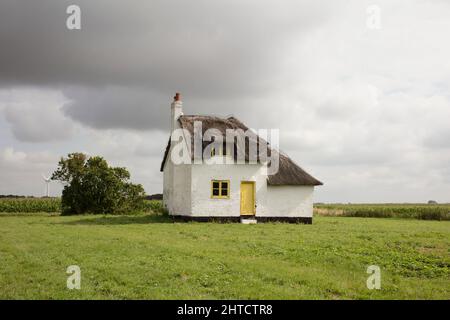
289	172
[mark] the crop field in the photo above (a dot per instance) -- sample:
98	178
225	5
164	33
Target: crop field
146	256
29	205
53	205
408	211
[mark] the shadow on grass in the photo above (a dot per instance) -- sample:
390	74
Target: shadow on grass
120	220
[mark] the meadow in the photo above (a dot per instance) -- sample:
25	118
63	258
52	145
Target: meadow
146	256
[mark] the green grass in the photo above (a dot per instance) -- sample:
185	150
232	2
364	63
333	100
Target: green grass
408	211
147	256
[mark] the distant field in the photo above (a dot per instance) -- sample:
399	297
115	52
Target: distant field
411	211
53	205
29	205
149	257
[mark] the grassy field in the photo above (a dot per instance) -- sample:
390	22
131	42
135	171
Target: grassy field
147	256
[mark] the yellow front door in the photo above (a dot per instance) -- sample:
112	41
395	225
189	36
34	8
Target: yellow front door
247	198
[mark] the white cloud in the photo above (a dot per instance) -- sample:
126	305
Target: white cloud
21	172
35	114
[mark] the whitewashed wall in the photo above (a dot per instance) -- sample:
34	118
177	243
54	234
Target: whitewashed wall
181	195
177	188
271	201
289	201
204	205
187	191
167	185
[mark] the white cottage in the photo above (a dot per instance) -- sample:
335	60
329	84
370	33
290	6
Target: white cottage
234	191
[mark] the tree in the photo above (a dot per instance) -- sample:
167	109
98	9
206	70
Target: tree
92	186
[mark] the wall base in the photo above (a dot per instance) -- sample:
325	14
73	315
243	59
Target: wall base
179	218
305	220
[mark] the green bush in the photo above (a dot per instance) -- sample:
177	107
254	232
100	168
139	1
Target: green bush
92	186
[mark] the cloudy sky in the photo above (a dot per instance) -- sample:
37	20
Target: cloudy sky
364	106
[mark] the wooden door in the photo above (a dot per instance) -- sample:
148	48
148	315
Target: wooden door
247	198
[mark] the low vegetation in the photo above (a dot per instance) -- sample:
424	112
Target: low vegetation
93	186
154	206
53	205
149	257
30	205
411	211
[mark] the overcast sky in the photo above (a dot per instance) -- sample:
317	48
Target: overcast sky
363	107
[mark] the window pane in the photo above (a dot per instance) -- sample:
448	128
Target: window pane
224	188
224	192
216	184
215	192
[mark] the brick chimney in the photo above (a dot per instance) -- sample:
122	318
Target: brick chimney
176	110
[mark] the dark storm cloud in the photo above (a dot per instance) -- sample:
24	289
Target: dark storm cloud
207	49
356	106
117	107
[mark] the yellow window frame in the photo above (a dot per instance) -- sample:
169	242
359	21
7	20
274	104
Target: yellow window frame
220	182
217	152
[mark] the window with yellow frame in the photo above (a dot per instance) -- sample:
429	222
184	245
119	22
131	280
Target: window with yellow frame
220	151
220	189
